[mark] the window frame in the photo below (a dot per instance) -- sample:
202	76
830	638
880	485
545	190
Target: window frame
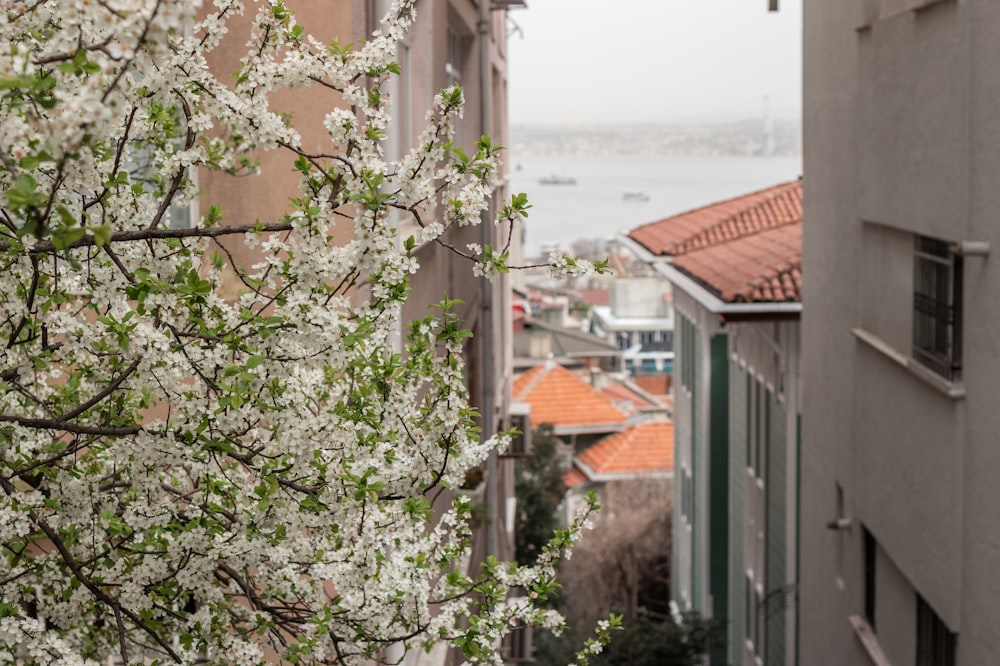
937	307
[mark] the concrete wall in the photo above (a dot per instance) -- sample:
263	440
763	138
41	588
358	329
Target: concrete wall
901	137
639	297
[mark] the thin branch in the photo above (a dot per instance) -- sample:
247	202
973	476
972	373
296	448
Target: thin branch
75	428
105	392
46	246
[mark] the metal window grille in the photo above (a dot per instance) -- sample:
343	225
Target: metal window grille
935	643
937	307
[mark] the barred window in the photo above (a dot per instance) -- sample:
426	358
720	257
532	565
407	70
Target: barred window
935	642
937	307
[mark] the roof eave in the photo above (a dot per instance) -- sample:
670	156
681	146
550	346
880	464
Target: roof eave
716	305
597	477
641	252
597	429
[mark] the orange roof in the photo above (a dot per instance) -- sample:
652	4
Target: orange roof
647	446
560	398
573	477
746	249
762	267
764	209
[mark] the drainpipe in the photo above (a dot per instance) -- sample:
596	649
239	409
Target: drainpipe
486	299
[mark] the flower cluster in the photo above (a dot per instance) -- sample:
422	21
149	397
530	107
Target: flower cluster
205	459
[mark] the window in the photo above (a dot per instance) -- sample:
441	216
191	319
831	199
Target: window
869	546
453	68
935	643
937	307
758	426
517	645
755	629
688	353
687	496
454	65
749	608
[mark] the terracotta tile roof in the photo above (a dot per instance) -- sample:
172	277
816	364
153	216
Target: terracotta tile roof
761	267
747	249
647	446
573	477
725	220
560	398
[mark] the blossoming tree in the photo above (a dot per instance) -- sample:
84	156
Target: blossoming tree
187	478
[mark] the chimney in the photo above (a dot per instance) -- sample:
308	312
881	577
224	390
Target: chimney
598	379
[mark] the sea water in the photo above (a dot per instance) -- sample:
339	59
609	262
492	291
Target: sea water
595	207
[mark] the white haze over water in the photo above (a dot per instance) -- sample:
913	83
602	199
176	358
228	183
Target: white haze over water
638	61
594	207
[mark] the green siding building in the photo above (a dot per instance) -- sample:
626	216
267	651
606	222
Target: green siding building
734	269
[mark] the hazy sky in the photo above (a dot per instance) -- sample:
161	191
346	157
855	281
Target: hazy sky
613	61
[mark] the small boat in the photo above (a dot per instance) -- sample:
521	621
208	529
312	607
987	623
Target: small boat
637	197
557	180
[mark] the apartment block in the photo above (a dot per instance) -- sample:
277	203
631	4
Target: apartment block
900	366
735	268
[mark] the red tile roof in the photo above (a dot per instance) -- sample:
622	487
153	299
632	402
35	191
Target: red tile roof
573	477
647	446
560	398
746	249
731	218
761	267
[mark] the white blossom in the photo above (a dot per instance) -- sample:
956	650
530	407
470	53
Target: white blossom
203	459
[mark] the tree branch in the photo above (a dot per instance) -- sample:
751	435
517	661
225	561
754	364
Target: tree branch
46	246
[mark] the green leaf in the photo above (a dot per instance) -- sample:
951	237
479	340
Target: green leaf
63	238
31	162
102	235
25	185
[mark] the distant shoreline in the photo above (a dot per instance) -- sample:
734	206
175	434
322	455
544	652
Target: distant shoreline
754	137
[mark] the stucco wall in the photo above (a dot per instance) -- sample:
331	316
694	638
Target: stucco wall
901	136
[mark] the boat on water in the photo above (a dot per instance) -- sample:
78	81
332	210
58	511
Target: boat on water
636	197
555	179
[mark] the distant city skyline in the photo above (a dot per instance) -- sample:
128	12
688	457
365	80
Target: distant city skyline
654	61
